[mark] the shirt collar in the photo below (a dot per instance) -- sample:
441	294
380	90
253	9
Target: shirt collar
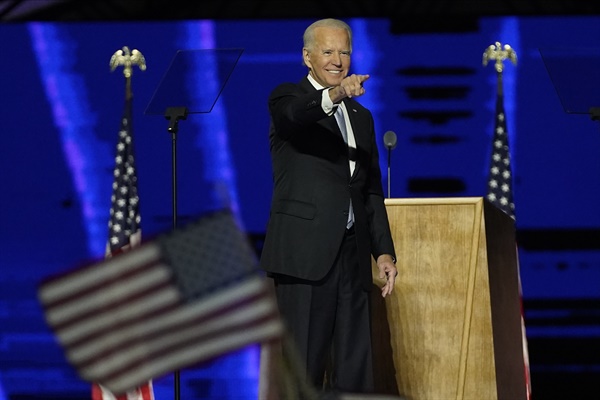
316	84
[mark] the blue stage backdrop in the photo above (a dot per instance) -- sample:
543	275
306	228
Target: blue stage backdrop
60	110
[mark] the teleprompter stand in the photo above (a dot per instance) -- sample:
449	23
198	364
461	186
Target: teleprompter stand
191	85
575	74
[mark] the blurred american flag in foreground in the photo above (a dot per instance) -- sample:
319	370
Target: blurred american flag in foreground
183	298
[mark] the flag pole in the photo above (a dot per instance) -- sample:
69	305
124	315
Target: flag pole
124	222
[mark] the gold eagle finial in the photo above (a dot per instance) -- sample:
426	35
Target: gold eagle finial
127	59
499	53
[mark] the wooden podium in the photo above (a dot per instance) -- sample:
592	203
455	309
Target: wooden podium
452	327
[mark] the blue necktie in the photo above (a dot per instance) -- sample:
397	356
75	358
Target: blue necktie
339	117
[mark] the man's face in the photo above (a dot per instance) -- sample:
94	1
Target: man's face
329	59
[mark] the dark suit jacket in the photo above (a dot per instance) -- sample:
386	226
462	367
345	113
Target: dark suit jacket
313	187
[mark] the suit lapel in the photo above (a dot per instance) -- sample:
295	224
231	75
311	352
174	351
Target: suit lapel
355	121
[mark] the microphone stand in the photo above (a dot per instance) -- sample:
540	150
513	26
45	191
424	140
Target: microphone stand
389	140
389	158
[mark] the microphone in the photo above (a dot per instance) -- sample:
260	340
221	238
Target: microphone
390	140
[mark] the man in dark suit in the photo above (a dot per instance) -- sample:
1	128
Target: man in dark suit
328	216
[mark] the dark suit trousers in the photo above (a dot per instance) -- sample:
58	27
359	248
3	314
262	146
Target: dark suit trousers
329	321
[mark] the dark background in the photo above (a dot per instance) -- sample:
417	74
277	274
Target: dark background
60	108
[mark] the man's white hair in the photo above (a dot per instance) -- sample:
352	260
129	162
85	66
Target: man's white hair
309	33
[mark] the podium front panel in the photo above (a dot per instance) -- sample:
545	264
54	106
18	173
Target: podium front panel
440	318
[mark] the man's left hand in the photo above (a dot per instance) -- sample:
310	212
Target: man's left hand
387	271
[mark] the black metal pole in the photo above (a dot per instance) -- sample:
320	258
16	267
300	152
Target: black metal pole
176	377
389	158
174	114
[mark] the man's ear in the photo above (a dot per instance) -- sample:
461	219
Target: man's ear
306	57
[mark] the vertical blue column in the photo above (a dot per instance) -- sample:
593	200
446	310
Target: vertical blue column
85	155
365	56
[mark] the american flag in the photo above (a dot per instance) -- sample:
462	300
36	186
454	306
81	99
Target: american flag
185	297
500	194
124	229
500	174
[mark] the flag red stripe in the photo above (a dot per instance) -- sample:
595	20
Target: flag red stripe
147	391
143	392
96	392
